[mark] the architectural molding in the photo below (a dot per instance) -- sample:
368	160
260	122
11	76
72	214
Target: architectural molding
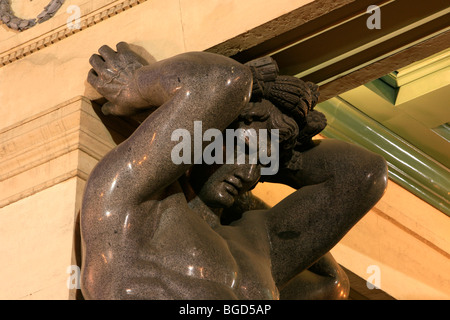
63	142
384	66
408	166
65	31
272	34
353	54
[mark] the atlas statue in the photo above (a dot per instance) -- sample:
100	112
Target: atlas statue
155	228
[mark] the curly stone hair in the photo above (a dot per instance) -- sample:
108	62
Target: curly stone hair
295	98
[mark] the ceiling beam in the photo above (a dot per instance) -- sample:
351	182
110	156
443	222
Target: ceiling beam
329	43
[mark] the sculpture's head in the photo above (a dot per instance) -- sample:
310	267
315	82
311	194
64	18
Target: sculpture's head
219	185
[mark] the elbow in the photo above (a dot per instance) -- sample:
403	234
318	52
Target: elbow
373	179
229	90
233	79
361	186
238	82
360	176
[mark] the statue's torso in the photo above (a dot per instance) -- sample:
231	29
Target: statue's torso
172	252
236	257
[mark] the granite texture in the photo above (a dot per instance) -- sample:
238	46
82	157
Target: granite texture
153	229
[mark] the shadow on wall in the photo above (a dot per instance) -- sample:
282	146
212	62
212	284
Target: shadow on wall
76	294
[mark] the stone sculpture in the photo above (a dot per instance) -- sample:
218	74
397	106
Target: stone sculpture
13	22
153	229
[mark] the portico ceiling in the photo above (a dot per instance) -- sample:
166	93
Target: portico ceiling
386	89
404	116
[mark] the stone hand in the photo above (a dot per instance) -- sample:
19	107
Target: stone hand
112	75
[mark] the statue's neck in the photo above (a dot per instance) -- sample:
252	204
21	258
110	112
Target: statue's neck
210	215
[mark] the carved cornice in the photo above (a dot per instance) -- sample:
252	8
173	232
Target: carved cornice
58	144
409	167
65	31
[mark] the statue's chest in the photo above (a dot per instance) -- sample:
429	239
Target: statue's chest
188	245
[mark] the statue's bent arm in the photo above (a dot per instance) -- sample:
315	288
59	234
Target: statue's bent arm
337	185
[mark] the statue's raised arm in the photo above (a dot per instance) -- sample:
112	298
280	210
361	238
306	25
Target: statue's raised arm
189	87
